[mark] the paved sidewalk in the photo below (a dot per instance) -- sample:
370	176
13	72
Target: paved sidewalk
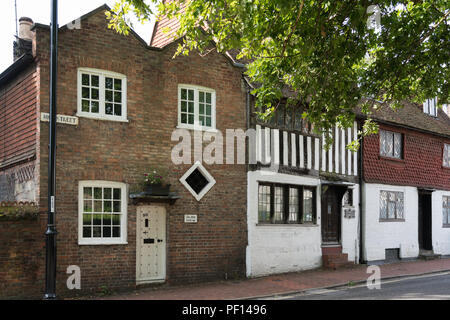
282	284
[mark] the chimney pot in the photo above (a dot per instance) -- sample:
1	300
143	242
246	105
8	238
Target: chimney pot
25	25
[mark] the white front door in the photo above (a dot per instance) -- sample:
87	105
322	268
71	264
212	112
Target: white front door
151	244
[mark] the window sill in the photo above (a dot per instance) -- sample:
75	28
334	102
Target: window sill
391	220
203	129
100	243
391	159
302	225
124	120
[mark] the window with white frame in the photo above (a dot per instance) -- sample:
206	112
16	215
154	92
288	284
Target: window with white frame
446	156
446	211
391	144
102	94
429	107
102	212
196	107
391	205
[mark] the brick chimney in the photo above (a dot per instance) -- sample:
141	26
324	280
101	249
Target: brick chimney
23	43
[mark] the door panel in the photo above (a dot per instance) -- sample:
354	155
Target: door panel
151	244
330	216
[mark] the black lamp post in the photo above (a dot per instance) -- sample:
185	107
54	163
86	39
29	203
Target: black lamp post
50	233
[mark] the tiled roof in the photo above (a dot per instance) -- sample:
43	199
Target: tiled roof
411	115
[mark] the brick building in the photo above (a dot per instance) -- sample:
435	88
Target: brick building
119	103
406	189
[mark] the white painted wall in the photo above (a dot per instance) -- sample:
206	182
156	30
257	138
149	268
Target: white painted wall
275	249
350	229
379	236
440	235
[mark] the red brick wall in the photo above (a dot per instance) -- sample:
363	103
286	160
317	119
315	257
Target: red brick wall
115	151
421	165
22	258
18	118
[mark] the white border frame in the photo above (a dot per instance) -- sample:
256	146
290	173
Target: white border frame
196	125
101	115
206	174
139	246
123	221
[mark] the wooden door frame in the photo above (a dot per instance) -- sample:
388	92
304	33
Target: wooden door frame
429	216
339	191
138	244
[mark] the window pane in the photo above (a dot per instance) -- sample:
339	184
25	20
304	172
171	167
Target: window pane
183	106
293	205
107	206
208	122
85	105
116	194
94	94
108	95
264	203
107	219
383	205
97	219
307	205
106	231
98	193
108	83
201	96
98	206
95	80
87	206
87	232
117	109
279	205
397	145
191	119
191	95
87	193
87	219
97	232
116	206
116	219
117	84
183	94
399	205
85	93
183	118
94	107
116	232
208	97
117	96
109	108
85	79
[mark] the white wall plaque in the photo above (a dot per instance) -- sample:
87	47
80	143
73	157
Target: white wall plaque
190	218
60	118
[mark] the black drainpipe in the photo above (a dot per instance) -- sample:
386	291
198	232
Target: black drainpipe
361	168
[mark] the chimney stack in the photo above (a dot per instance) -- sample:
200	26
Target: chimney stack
23	43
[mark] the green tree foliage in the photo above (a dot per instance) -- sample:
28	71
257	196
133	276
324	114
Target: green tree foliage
324	51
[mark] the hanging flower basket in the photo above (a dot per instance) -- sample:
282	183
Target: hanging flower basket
153	183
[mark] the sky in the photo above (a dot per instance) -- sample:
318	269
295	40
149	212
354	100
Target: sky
39	11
